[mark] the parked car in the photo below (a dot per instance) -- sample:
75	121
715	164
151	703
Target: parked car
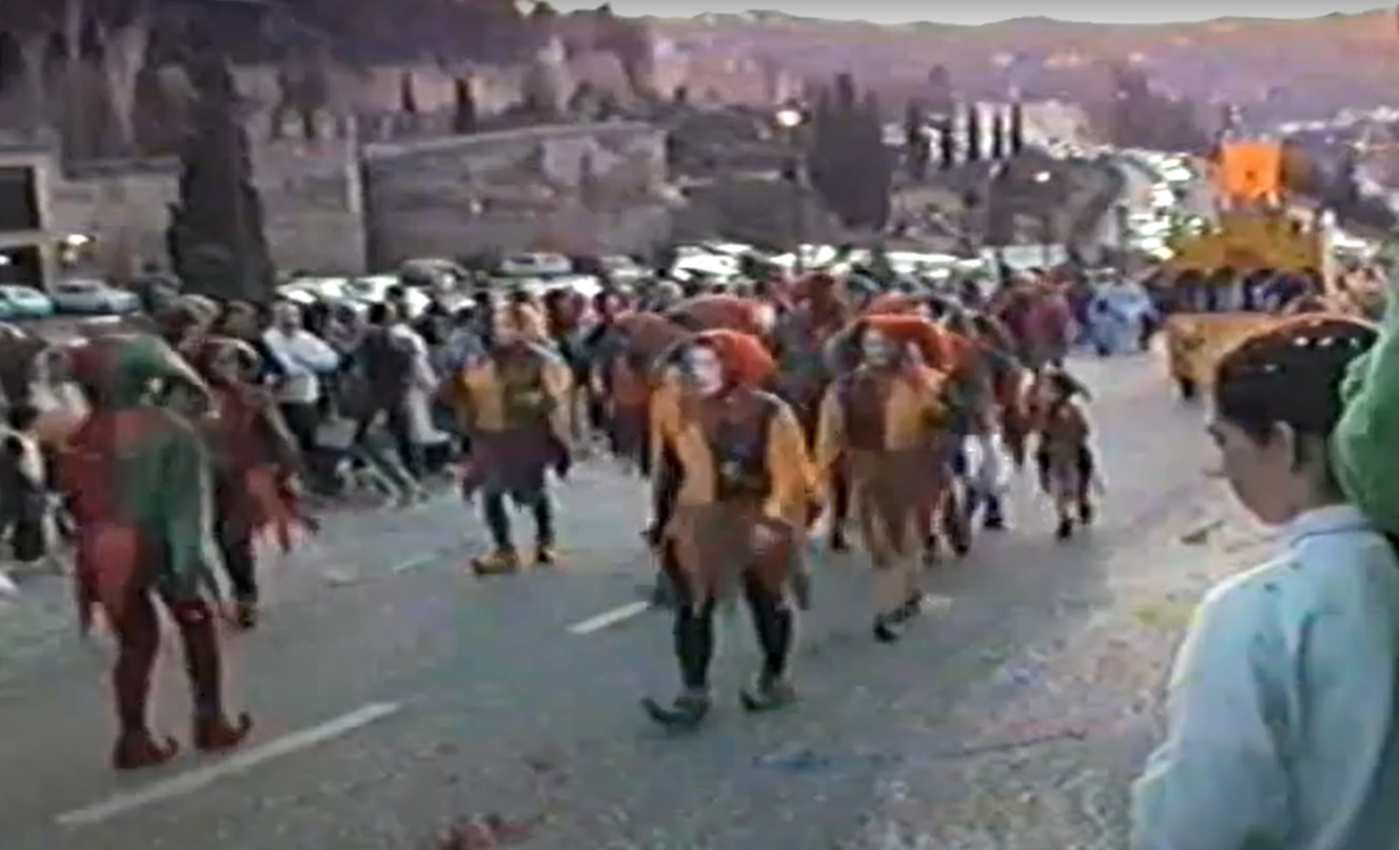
535	265
93	297
306	291
24	302
613	268
374	289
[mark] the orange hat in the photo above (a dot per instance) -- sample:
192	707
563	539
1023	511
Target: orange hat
930	339
746	361
716	312
893	303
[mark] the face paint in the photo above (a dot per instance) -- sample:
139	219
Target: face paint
876	349
704	373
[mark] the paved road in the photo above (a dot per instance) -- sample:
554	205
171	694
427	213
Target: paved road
490	704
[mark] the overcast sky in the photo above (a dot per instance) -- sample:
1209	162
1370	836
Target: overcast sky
984	11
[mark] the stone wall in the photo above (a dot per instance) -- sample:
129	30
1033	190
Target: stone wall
575	189
311	204
123	207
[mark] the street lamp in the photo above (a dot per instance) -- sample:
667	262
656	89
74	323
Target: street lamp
789	118
1043	177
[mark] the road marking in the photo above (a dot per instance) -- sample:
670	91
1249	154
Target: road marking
610	618
178	786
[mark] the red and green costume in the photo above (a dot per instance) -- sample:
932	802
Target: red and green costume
139	479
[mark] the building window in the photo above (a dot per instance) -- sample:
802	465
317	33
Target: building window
19	199
22	266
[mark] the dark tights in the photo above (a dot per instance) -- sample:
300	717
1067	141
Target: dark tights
498	519
138	634
773	619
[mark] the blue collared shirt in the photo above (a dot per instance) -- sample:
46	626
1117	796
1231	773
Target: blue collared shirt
1282	704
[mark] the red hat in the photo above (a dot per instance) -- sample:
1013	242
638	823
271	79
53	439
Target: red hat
716	312
893	303
903	330
746	361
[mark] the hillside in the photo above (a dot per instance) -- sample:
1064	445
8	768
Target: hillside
1275	68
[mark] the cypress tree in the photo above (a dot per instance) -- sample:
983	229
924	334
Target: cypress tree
215	238
1017	128
998	136
973	134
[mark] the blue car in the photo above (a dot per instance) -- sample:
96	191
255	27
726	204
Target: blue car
24	302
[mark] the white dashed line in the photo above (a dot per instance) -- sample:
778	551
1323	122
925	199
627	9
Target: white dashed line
610	618
186	783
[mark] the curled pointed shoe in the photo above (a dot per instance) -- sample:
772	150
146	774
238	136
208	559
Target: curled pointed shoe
498	563
1065	530
910	609
686	712
545	556
768	695
884	630
245	615
135	750
1085	513
838	541
216	733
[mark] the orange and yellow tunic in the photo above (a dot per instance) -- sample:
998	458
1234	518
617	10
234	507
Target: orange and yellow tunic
889	426
734	464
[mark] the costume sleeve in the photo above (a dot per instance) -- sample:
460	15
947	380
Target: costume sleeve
558	383
1362	446
830	435
789	470
1218	779
463	394
184	510
666	474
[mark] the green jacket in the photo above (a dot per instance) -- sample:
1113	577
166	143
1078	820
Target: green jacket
1365	444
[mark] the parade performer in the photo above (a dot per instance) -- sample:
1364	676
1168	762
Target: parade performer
1282	725
625	370
141	491
1066	463
741	487
513	404
886	421
256	463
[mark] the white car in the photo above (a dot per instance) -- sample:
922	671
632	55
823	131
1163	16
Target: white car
535	265
93	297
309	290
374	289
619	268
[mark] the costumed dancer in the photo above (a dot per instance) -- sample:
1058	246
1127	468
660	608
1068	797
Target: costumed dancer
256	465
887	420
1066	463
141	491
513	403
737	462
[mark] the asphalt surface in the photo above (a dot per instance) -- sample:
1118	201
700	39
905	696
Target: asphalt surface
493	706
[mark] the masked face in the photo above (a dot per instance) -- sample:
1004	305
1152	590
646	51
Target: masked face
505	331
877	349
704	373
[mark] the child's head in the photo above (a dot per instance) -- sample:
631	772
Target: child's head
1276	402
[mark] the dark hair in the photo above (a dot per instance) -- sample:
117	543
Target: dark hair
23	416
1290	375
379	313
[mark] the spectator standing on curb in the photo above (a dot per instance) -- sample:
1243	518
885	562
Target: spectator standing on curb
302	359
